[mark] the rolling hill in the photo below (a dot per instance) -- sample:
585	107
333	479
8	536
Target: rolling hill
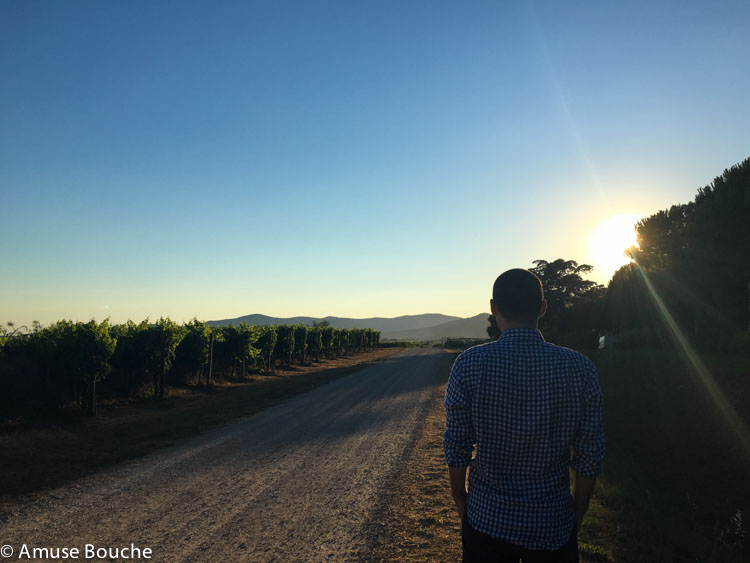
428	326
473	327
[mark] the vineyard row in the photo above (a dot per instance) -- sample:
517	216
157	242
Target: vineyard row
68	362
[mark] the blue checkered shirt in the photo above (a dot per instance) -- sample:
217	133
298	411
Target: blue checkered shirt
533	409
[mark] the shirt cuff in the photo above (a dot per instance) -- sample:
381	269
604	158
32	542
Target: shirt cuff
586	466
457	456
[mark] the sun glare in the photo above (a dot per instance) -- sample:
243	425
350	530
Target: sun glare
610	240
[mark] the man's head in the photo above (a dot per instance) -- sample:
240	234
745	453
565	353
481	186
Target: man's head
517	299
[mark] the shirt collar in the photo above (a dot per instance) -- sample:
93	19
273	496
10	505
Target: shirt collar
521	335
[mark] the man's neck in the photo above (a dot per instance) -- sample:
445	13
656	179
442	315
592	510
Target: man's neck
509	326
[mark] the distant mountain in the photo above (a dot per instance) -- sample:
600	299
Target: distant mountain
473	327
261	320
386	326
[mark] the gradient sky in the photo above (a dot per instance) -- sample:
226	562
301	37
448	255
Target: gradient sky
343	158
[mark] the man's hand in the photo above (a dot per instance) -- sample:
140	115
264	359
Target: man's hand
461	507
579	519
584	487
458	489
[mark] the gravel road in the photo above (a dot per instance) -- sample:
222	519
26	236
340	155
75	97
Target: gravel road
301	481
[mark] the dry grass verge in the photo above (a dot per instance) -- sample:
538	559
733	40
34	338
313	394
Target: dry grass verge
419	520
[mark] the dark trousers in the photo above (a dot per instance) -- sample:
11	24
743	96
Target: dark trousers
481	548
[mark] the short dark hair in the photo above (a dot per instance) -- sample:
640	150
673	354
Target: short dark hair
518	295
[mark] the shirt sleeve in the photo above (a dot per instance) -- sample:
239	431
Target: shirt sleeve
458	440
588	443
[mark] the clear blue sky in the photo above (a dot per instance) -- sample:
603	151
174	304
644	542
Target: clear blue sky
342	158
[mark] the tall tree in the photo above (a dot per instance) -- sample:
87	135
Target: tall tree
695	257
567	292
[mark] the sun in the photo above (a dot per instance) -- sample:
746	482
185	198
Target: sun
610	240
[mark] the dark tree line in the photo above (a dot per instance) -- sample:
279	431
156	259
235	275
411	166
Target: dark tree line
692	260
696	258
66	362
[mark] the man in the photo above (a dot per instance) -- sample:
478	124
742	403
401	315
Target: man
533	409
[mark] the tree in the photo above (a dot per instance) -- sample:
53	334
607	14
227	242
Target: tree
10	330
695	258
662	237
630	314
493	331
566	292
562	281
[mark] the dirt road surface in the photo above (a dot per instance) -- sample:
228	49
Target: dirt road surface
301	481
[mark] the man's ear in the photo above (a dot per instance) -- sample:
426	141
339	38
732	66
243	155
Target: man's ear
493	307
542	309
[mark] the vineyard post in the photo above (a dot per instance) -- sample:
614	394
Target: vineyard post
91	398
163	371
210	379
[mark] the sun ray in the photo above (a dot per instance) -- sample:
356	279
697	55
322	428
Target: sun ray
729	413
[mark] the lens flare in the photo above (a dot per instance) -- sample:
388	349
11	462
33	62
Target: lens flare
609	242
730	415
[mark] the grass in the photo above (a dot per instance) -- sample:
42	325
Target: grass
592	552
674	486
48	455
